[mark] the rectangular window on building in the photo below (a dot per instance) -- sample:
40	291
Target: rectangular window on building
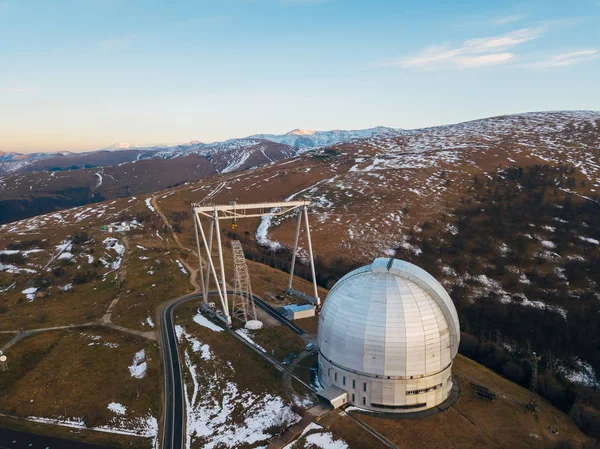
364	401
353	398
365	386
335	376
353	383
344	380
328	372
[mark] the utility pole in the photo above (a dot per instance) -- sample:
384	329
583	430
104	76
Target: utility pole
533	387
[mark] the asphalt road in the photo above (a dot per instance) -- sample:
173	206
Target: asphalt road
174	421
174	408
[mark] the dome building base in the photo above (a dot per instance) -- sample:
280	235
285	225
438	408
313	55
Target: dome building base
387	394
443	407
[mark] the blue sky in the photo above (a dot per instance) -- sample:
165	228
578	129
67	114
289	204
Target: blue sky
82	74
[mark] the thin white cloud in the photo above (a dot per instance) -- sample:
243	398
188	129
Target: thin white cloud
483	60
504	20
567	59
477	52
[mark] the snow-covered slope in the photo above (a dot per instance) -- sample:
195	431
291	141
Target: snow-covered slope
118	146
307	139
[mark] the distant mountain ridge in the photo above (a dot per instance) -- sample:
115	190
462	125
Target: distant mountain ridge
55	181
308	139
298	138
6	156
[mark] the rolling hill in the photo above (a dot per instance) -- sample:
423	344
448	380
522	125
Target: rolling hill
45	182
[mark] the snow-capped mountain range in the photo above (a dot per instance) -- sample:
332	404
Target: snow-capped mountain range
289	144
299	138
305	139
302	139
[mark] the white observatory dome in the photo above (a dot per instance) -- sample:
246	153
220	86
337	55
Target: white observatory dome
388	333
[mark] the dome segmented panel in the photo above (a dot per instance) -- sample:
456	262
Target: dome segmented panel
385	319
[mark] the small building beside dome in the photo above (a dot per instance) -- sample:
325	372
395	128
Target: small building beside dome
388	335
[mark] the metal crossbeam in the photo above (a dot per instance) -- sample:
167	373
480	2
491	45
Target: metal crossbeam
234	211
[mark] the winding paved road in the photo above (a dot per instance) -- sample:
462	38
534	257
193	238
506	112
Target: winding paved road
174	419
174	401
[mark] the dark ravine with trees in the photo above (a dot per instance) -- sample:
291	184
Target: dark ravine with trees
493	233
29	206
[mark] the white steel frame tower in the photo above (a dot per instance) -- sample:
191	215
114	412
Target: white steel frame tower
235	211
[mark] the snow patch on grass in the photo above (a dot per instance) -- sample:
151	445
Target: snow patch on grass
138	367
30	293
205	322
319	438
245	334
221	416
13	269
148	322
325	441
117	408
143	427
181	267
111	243
150	206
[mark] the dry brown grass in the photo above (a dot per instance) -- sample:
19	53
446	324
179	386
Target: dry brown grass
71	373
302	369
53	307
343	427
311	324
139	291
83	435
279	339
82	304
142	291
5	338
475	423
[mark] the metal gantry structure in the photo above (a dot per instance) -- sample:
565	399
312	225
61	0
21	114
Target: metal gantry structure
242	303
234	211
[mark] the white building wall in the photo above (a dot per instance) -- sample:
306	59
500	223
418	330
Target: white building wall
387	392
302	314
